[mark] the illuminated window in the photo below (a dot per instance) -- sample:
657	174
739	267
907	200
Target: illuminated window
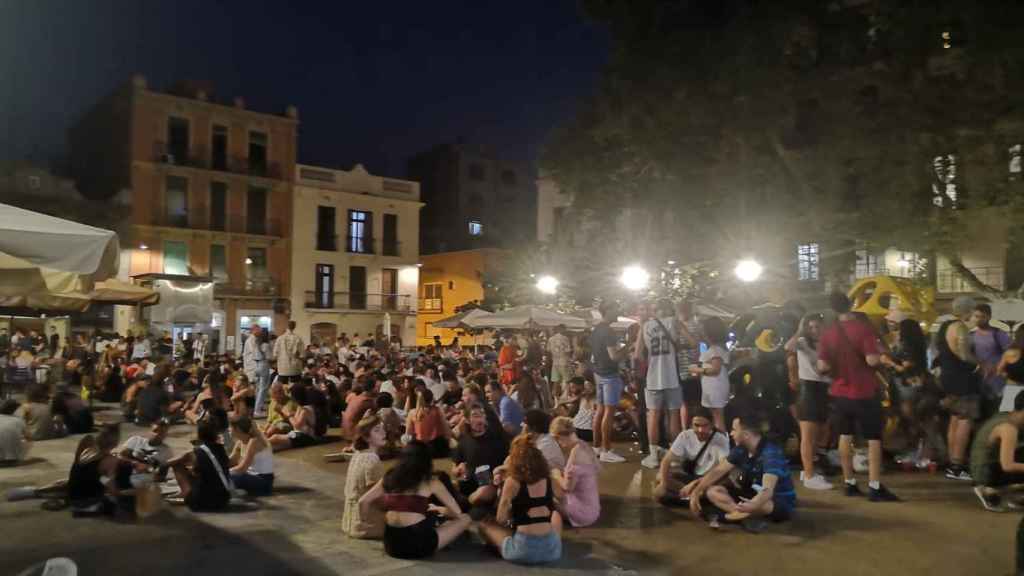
807	261
867	264
944	189
476	228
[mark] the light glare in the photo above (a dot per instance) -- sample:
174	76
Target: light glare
748	270
635	278
547	284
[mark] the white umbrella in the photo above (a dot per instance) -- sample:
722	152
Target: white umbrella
462	319
1008	310
46	242
524	317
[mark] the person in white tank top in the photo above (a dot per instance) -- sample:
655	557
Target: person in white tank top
812	406
252	459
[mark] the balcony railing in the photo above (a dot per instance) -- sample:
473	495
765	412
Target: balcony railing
358	301
951	280
254	286
198	157
359	244
391	248
432	305
327	242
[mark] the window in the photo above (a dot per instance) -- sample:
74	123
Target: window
431	297
360	232
357	287
908	264
944	188
175	258
34	182
1014	165
807	261
218	206
390	247
258	153
256	262
176	201
326	236
476	172
508	178
256	210
323	295
476	228
867	264
177	139
219	263
219	148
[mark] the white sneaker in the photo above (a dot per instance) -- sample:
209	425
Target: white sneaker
611	457
816	482
651	460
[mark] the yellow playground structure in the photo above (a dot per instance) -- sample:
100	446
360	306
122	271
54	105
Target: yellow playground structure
877	295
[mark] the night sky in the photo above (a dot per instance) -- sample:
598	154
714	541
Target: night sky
375	82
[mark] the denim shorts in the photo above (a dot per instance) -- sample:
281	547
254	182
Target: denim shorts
609	389
530	549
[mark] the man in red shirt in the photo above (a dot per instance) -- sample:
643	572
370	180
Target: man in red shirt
848	351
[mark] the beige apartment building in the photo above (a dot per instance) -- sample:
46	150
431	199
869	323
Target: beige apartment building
208	185
354	254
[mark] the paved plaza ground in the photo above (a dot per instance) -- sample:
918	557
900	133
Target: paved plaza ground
940	530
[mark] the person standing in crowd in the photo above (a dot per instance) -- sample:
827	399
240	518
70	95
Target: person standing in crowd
663	394
915	391
1011	367
252	459
508	410
994	460
960	378
688	355
581	502
696	450
411	531
527	505
812	405
714	371
989	344
53	343
288	350
560	348
364	471
509	363
201	347
762	463
607	350
252	362
848	352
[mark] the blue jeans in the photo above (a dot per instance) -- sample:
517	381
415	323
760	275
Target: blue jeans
254	484
262	383
529	549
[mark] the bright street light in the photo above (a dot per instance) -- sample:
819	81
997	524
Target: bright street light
748	270
547	284
635	278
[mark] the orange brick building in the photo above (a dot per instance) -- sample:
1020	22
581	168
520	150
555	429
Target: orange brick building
209	186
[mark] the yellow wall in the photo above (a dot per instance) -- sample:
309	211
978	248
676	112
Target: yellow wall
460	275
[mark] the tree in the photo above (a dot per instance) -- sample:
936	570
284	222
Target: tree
733	125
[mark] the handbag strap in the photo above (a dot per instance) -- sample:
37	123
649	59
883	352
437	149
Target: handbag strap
675	345
216	466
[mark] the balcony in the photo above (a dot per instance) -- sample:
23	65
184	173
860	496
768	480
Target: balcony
327	242
255	287
197	157
359	244
950	281
430	305
358	301
391	248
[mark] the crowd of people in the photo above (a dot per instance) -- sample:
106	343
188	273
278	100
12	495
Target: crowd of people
528	423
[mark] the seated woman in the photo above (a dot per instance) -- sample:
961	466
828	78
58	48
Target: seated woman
243	396
97	476
202	473
364	470
281	405
213	396
426	424
302	420
527	505
582	501
252	459
392	425
404	493
73	411
37	414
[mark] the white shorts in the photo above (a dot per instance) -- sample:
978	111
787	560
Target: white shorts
714	393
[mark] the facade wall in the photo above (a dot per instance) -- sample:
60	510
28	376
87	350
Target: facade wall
460	277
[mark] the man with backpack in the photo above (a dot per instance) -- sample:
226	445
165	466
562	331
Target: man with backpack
662	393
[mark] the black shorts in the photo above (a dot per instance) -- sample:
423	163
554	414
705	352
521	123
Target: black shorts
691	391
849	415
813	403
585	435
300	439
411	542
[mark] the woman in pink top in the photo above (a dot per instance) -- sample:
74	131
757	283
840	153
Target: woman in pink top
582	502
426	423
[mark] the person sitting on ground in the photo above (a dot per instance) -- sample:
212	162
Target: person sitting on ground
252	459
762	463
525	393
153	402
243	396
404	494
527	505
586	408
581	504
481	450
96	475
393	425
696	450
472	394
37	414
202	473
359	402
280	405
214	396
426	424
13	435
302	420
1011	367
453	390
510	412
538	423
364	471
996	461
149	449
73	412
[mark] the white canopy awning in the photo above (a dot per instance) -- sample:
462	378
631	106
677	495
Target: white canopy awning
525	317
462	319
42	241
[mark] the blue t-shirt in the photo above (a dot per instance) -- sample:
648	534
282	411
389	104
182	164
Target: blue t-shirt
510	412
602	338
767	459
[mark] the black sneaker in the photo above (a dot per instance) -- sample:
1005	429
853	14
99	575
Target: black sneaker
852	490
958	472
882	494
